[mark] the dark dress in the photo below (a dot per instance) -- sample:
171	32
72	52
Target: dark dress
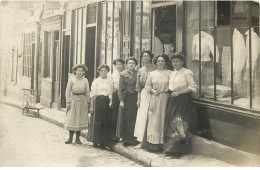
178	114
99	130
128	93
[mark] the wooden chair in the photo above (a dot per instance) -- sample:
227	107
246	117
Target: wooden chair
29	101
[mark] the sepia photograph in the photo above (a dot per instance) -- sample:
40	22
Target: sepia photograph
129	83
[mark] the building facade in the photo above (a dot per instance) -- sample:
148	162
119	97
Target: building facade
220	40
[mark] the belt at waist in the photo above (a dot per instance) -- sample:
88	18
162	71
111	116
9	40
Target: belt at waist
78	94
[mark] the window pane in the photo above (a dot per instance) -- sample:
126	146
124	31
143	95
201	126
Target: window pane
146	25
191	31
207	50
137	30
91	14
102	41
116	46
109	33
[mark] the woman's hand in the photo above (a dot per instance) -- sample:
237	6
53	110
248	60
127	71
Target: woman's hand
138	103
110	104
175	94
155	92
122	104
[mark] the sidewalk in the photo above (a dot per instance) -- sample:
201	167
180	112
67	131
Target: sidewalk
206	153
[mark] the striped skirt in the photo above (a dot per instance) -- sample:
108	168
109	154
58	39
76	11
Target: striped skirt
77	116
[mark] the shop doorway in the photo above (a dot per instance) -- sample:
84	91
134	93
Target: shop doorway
164	30
65	68
90	53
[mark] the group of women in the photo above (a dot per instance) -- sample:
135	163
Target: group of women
148	108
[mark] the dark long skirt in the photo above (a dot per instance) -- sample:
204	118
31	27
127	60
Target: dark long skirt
129	118
177	124
114	114
100	122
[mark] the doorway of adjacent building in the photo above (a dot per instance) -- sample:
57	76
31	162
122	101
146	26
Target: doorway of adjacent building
65	68
90	53
164	29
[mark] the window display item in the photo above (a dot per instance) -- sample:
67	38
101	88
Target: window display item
239	56
226	55
207	47
221	92
157	46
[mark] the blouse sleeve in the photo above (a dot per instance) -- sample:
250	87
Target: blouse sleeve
68	91
111	88
191	83
138	85
148	84
94	89
87	90
120	89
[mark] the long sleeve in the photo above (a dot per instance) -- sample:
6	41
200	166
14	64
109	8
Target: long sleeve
121	86
93	89
87	90
191	83
138	85
111	89
148	84
68	91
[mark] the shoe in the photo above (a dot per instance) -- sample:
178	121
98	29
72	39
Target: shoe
102	146
78	142
68	142
95	145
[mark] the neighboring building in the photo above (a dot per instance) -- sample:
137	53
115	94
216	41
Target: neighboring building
213	35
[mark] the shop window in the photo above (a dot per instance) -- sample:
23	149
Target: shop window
27	55
138	27
109	34
102	37
225	65
116	31
91	15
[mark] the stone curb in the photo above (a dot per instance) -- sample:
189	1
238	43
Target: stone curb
200	145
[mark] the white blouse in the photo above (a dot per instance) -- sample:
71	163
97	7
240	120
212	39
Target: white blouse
182	79
102	86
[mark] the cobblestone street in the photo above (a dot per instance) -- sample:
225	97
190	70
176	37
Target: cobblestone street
28	141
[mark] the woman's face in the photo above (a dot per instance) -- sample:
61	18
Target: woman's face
161	62
103	72
177	63
80	72
131	65
146	58
119	66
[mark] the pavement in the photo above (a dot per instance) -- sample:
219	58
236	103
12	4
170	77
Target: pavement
26	141
205	153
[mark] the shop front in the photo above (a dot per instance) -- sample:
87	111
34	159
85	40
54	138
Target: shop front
220	40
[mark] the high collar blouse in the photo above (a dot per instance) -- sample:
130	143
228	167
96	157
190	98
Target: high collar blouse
127	82
207	47
182	79
142	76
102	87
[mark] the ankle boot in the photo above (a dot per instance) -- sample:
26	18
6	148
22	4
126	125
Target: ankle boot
77	138
69	141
